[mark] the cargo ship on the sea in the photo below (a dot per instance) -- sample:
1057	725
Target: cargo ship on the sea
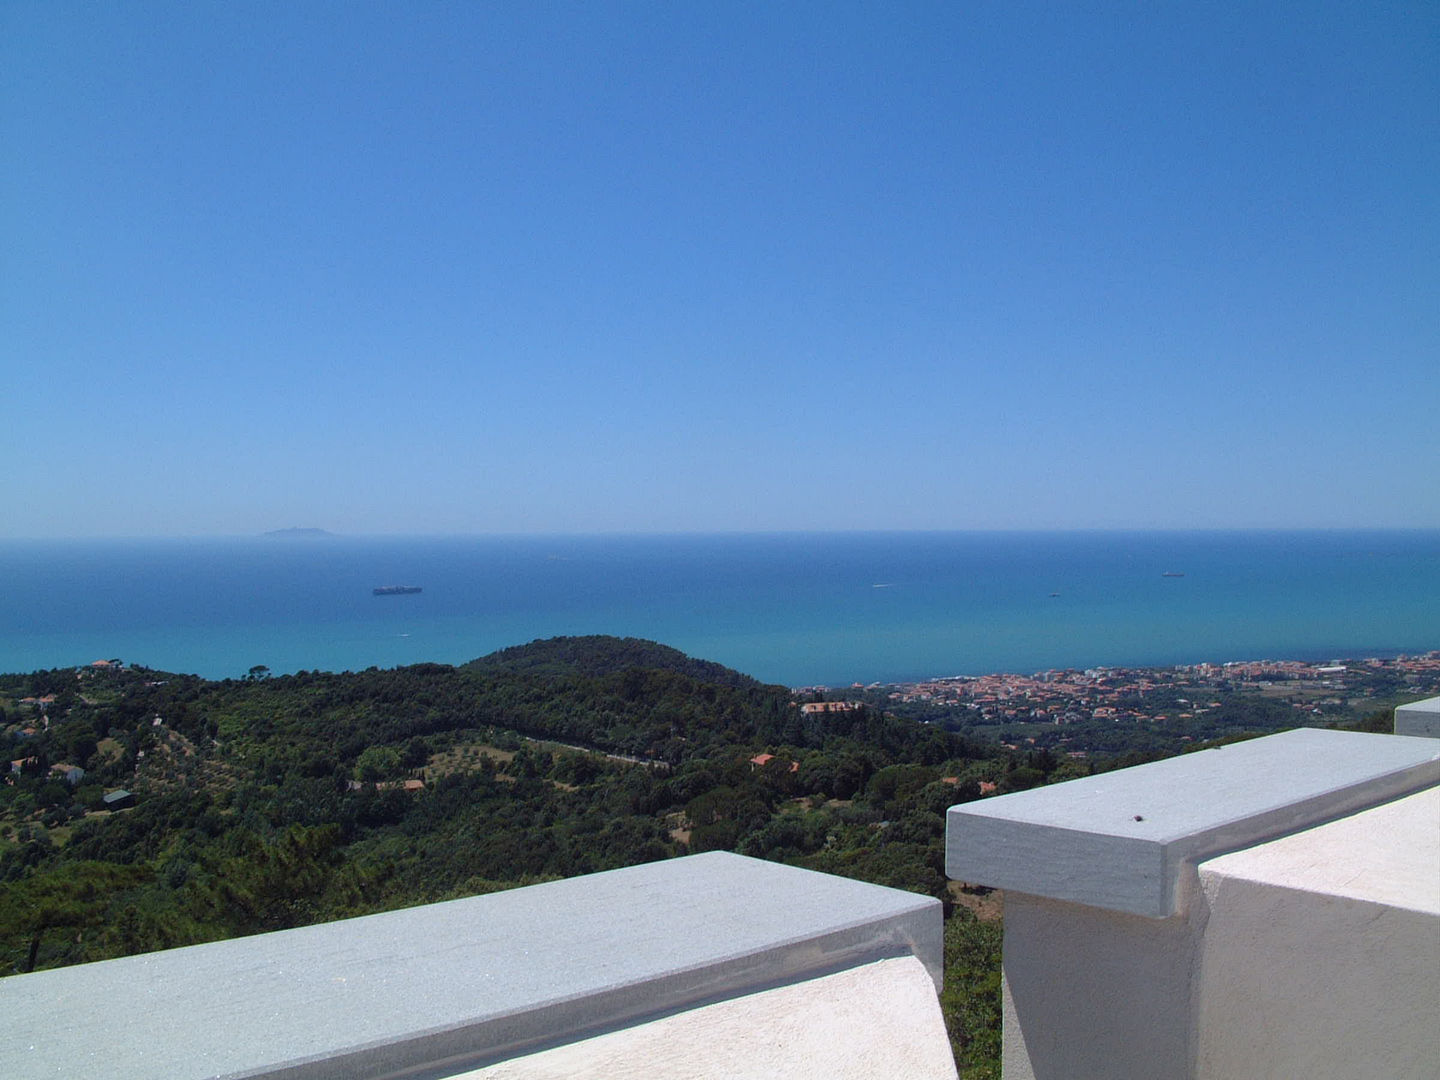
395	590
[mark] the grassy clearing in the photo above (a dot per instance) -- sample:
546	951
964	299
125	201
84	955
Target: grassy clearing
466	758
987	906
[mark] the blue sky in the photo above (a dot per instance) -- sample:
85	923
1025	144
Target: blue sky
533	267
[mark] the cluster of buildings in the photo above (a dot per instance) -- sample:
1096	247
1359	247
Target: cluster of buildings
1116	693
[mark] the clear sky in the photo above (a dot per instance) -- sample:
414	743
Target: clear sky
531	267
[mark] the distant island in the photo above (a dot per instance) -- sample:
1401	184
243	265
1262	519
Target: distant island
298	533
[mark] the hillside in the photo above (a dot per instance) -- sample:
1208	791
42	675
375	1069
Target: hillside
272	802
597	655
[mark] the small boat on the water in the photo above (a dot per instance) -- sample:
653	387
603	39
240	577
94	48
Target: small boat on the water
1172	573
395	590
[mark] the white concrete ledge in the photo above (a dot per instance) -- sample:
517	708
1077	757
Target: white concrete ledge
436	990
1122	840
1419	718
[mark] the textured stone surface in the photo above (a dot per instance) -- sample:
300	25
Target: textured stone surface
1419	718
460	983
878	1020
1123	840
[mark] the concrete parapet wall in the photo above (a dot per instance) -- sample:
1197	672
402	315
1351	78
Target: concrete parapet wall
1124	840
435	990
1419	718
1192	918
1321	956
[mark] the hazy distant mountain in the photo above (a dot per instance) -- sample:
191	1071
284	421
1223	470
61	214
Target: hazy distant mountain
297	533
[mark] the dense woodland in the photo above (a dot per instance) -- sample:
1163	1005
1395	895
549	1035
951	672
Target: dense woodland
272	802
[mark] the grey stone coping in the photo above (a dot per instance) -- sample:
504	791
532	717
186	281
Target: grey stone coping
431	991
1419	718
1121	840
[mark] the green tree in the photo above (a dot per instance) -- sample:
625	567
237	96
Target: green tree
378	763
73	896
970	1000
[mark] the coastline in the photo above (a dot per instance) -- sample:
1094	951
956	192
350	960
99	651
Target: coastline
792	609
1419	661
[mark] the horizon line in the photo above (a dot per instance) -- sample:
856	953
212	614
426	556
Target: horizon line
316	533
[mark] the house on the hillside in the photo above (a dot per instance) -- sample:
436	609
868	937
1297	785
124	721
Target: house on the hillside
759	761
70	774
118	800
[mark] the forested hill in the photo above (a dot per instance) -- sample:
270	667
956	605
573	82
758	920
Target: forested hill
144	810
598	655
270	802
623	695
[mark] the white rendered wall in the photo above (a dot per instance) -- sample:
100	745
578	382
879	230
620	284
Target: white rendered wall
1322	954
879	1020
1092	994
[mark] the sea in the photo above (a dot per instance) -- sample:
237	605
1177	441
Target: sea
800	609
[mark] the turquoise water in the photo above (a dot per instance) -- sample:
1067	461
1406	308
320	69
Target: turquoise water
791	608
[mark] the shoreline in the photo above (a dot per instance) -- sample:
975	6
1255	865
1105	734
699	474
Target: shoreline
1313	662
1267	669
